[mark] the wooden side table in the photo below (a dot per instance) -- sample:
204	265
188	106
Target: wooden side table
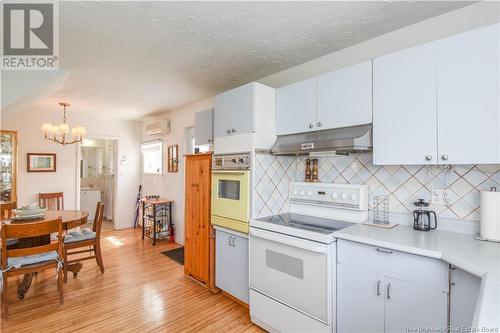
156	218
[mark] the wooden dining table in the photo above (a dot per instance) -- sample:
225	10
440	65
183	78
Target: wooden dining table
70	218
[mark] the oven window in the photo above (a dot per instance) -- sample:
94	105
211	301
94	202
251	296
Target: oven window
229	189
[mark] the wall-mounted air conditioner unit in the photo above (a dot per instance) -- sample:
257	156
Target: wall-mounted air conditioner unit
158	127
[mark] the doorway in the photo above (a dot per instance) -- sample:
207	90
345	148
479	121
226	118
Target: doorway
97	178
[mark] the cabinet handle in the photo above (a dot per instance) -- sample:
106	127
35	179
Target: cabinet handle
444	157
388	291
428	157
320	124
234	240
209	140
311	125
378	288
229	240
384	250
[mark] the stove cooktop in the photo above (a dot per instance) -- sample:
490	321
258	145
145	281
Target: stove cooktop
308	223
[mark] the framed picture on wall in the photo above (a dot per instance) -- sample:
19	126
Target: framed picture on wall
41	162
173	159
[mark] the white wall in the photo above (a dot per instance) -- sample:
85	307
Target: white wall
28	122
171	185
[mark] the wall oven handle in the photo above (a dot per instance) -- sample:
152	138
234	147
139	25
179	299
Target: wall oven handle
295	242
230	172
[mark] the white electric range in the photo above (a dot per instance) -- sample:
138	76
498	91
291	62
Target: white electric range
293	257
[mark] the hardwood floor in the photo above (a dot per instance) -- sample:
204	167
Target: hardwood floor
141	291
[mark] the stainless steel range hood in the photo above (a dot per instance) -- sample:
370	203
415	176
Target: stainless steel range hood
354	139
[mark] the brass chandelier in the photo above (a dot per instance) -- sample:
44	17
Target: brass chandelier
59	133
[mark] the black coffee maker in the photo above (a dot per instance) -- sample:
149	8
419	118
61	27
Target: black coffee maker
423	218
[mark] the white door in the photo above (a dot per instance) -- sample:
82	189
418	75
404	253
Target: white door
234	111
409	307
293	271
404	107
231	264
296	107
203	127
360	301
468	97
345	97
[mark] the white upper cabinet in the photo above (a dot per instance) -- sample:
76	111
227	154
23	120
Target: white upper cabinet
345	97
439	101
203	127
404	107
296	107
468	97
234	111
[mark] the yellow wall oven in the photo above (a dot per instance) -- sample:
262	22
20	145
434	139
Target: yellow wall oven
231	191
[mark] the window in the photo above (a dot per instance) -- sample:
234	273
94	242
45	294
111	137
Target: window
152	157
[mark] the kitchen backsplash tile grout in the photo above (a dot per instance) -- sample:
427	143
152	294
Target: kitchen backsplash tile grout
403	183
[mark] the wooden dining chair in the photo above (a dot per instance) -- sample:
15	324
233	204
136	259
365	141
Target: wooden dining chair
51	201
31	259
6	210
85	238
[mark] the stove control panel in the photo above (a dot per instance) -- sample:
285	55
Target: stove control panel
330	195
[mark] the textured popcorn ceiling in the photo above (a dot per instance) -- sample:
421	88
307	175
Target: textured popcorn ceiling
128	59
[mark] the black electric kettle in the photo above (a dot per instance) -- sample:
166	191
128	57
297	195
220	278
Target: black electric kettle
423	218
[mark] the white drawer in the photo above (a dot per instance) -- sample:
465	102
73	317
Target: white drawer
274	316
427	272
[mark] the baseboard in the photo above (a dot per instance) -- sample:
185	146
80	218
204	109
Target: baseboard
234	299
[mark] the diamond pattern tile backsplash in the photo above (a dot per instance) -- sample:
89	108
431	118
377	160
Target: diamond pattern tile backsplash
403	184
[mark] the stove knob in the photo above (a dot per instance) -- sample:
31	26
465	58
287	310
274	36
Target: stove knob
343	196
302	192
234	160
309	193
354	197
334	195
242	160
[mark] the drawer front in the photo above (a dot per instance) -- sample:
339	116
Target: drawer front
427	272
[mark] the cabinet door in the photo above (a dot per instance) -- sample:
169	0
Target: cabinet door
468	97
404	107
231	267
203	127
197	217
296	107
464	293
408	306
234	111
345	97
360	300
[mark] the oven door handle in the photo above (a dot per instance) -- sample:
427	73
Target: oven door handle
230	172
295	242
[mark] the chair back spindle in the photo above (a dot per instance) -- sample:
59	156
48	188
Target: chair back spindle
51	201
6	210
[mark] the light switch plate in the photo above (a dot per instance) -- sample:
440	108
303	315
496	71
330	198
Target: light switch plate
440	196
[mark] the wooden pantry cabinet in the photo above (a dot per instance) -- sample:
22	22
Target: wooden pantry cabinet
199	247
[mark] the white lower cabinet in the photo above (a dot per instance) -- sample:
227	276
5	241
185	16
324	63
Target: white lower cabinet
231	263
360	304
410	307
377	292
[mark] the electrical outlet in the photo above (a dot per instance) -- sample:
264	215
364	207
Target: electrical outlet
439	196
